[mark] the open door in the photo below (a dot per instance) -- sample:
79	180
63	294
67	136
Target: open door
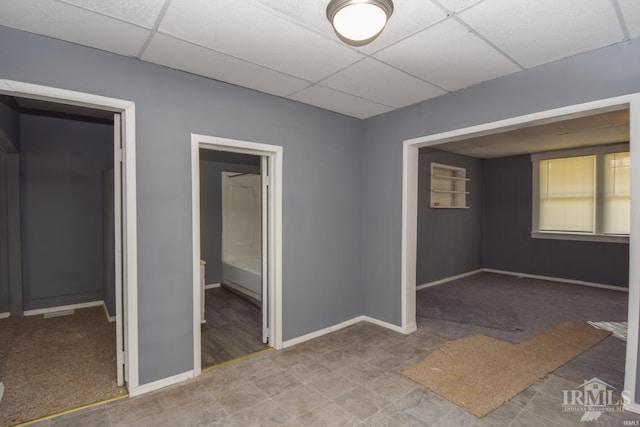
264	179
118	232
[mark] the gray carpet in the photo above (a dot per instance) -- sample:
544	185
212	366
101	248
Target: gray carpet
513	309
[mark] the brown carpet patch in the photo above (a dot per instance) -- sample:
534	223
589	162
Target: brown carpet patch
479	373
50	365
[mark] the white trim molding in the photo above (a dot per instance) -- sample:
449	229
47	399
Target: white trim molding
449	279
106	312
212	286
408	329
5	315
47	310
126	109
274	155
410	196
632	407
298	340
558	279
156	385
321	332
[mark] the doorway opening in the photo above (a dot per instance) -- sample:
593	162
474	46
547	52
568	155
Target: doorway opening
123	301
231	194
237	248
410	201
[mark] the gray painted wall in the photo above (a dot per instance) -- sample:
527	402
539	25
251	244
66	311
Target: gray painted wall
507	226
14	238
4	240
9	124
449	240
603	73
61	209
9	140
108	243
212	164
496	232
321	207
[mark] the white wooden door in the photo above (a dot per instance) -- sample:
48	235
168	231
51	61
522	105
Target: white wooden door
241	216
117	215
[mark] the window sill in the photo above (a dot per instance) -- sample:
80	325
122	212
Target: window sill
602	238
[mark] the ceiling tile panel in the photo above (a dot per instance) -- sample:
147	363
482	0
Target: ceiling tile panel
631	13
458	5
255	34
541	31
61	21
448	55
408	17
333	100
373	80
140	12
184	56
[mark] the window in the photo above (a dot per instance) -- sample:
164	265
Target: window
582	194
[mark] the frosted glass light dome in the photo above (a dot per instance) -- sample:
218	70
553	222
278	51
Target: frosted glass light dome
358	22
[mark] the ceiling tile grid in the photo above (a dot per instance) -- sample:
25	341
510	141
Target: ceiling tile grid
542	31
174	53
144	13
244	31
631	14
62	21
287	47
371	79
448	55
339	102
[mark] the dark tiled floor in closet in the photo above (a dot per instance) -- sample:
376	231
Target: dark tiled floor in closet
233	327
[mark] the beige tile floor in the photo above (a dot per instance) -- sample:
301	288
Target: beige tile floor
351	377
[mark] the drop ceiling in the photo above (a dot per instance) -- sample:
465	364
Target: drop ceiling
591	130
287	47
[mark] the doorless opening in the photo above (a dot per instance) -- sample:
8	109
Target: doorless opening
124	201
231	216
409	213
269	283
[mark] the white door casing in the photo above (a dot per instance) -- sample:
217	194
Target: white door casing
264	229
410	208
124	149
272	155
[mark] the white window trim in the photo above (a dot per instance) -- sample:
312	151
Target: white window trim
598	235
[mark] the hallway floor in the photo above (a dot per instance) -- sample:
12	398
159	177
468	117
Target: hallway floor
347	378
233	327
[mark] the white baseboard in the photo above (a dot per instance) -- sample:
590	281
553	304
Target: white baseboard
62	307
448	279
212	285
243	290
4	315
408	330
321	332
106	311
557	279
156	385
632	407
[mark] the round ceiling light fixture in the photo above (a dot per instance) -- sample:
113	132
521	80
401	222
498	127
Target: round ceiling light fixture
359	22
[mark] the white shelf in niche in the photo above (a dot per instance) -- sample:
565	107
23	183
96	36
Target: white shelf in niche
448	187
